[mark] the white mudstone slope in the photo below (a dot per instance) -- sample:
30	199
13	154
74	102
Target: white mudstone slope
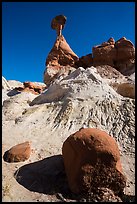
82	99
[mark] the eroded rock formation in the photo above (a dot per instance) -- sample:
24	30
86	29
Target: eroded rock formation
31	87
119	54
58	23
61	55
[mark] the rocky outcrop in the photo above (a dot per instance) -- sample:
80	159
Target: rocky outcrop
119	54
60	55
31	87
84	61
92	159
18	153
125	60
104	54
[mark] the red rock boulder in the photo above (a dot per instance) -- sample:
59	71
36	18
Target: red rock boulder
91	160
18	153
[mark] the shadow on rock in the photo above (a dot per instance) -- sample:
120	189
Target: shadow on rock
13	92
128	198
46	176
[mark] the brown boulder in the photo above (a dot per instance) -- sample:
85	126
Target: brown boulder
18	153
92	159
126	90
60	19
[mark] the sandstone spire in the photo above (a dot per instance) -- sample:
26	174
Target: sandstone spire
61	55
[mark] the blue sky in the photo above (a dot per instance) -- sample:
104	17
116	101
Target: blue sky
27	37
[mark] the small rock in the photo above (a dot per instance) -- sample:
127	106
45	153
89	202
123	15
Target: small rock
18	153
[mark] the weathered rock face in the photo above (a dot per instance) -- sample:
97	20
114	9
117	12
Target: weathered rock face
92	159
54	72
125	60
85	61
126	90
120	83
109	72
60	55
18	153
15	103
119	54
104	54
